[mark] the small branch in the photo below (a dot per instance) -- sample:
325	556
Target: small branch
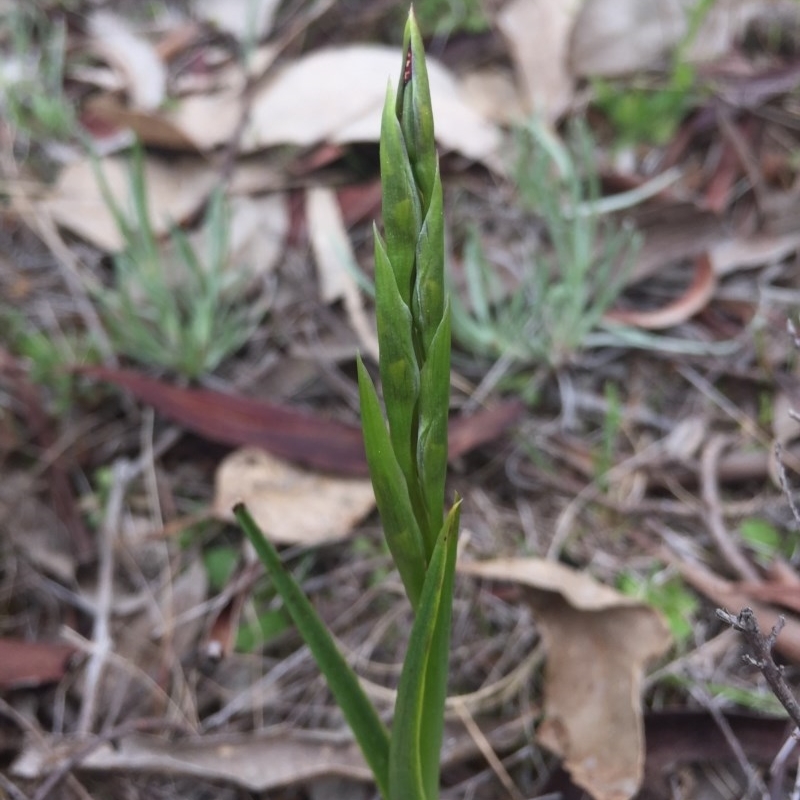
761	646
727	547
101	633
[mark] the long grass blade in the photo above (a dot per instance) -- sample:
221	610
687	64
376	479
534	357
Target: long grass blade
419	710
370	732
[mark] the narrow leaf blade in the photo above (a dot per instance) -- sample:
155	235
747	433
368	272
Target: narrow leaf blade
429	290
370	732
434	399
410	768
432	721
398	362
402	213
402	532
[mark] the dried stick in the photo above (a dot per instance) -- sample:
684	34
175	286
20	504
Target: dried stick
761	647
727	547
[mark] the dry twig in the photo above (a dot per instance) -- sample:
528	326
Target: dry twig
761	647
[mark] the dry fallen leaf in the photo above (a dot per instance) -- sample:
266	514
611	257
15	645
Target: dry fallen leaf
336	262
695	298
175	191
247	20
257	235
613	37
257	761
132	55
538	35
336	96
492	93
291	505
744	252
598	643
24	664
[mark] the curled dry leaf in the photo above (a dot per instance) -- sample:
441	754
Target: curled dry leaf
291	505
598	643
176	190
694	299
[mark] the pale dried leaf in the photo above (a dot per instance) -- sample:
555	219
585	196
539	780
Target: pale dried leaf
538	34
336	96
175	191
336	262
598	643
257	761
291	505
131	55
614	37
246	20
745	252
198	122
205	113
492	93
258	230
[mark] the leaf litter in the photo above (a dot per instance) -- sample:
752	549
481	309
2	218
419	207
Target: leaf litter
589	468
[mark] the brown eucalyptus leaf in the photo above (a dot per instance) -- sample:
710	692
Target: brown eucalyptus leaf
598	644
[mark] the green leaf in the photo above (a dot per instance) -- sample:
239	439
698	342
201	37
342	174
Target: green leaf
419	710
432	723
415	111
402	213
220	562
434	399
398	362
370	732
428	301
400	525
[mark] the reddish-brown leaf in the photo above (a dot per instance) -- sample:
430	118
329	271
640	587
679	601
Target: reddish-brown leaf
299	436
694	299
27	664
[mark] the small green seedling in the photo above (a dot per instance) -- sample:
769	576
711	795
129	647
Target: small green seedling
408	459
766	541
445	17
669	595
568	285
648	114
32	99
185	314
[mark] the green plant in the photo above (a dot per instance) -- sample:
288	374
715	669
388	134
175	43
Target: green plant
445	17
32	74
669	595
564	292
766	541
48	356
612	422
407	461
647	114
183	313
